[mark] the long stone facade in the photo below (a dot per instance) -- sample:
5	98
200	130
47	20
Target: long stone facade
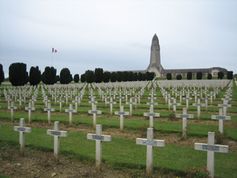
156	67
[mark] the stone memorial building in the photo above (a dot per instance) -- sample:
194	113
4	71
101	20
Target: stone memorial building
156	67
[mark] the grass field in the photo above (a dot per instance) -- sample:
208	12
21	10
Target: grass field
177	156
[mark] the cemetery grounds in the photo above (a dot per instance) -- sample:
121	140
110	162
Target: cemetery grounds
121	157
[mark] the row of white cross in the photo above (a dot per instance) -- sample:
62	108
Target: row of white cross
150	142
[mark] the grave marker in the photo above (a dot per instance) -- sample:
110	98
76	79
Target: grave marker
49	110
98	137
29	109
22	130
211	148
150	142
70	110
151	116
121	114
184	117
94	112
56	133
221	117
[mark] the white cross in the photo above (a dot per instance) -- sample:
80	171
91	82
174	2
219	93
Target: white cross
174	104
98	137
221	117
121	114
184	117
187	98
94	112
12	108
22	129
70	110
60	103
56	133
211	147
198	105
29	109
111	102
225	105
151	115
49	110
149	142
130	105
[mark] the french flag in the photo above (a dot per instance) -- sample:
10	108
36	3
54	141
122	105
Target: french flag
54	50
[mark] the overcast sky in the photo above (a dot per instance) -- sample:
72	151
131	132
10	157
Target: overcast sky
116	34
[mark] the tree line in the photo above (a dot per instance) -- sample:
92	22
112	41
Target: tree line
199	76
99	75
18	75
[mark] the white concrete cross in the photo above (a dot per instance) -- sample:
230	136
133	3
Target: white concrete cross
120	97
94	112
60	103
187	98
211	148
225	105
98	137
22	129
174	104
111	102
12	108
221	117
184	117
130	105
56	133
149	142
151	114
49	110
70	110
121	114
29	109
198	105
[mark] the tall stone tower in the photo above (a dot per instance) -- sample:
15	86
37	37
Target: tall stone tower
155	65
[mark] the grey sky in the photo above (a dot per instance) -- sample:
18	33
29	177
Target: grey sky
116	35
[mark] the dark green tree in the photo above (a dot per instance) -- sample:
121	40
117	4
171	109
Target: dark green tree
83	78
90	76
169	76
189	75
220	75
99	75
199	76
34	76
65	76
179	77
209	76
106	77
113	77
230	75
76	78
1	74
49	75
18	76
